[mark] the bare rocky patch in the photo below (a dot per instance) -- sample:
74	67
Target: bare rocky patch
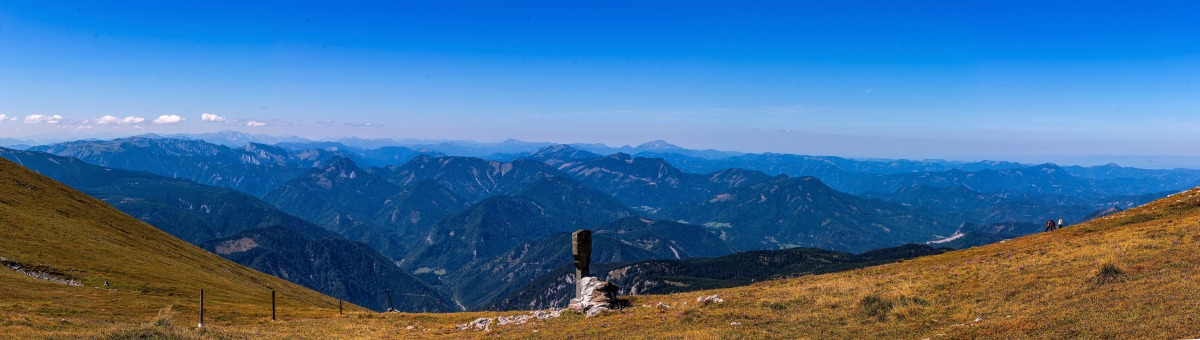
40	272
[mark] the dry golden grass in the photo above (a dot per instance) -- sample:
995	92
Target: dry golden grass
1131	275
52	228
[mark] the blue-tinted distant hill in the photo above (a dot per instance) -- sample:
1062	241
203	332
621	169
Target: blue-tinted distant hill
253	168
360	205
500	223
651	184
960	204
804	212
471	178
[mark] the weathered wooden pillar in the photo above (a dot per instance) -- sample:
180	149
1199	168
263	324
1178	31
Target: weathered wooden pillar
581	250
201	308
272	305
339	307
390	307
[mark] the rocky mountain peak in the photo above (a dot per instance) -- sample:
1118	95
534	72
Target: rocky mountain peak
658	145
342	168
620	156
560	153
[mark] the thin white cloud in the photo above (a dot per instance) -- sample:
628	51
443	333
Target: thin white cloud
255	123
169	119
83	127
34	119
3	117
333	123
208	117
110	119
107	119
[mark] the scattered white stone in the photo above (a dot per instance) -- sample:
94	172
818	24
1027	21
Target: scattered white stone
735	323
710	299
515	319
481	324
409	328
978	319
485	324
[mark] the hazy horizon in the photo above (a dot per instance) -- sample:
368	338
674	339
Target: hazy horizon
1137	161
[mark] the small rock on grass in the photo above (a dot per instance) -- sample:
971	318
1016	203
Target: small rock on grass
710	299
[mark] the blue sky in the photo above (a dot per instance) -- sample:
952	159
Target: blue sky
956	79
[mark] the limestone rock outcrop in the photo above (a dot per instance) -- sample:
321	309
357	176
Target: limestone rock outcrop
596	297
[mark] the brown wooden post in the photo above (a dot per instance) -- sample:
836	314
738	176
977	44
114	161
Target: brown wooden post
339	307
581	251
390	307
201	325
272	305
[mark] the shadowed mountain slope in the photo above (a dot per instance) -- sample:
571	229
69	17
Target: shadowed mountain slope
473	179
348	270
497	224
803	212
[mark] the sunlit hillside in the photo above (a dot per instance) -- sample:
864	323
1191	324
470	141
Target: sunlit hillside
55	232
1133	274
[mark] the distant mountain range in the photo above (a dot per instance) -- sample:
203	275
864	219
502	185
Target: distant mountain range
254	169
497	224
468	177
962	204
804	212
438	220
652	184
360	205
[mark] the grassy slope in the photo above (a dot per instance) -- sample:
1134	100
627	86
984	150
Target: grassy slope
1040	286
55	228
